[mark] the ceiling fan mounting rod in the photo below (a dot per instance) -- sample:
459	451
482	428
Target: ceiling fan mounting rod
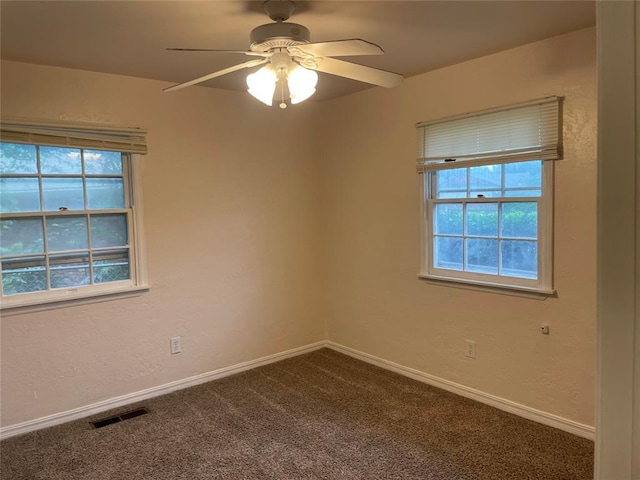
279	10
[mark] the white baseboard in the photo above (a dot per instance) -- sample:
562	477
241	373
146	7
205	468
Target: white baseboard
539	416
88	410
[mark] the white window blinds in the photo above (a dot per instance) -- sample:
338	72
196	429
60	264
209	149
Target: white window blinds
72	134
530	131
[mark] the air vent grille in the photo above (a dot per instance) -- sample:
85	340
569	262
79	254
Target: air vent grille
119	418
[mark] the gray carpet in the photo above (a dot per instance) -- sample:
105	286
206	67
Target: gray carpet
322	415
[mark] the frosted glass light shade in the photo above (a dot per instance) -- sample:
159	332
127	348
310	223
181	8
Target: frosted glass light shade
302	84
300	81
262	84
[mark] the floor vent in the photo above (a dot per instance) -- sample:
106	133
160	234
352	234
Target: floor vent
119	418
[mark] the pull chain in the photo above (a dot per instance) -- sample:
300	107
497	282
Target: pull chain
282	78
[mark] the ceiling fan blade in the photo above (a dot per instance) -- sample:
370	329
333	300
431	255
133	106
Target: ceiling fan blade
244	52
219	73
361	73
339	48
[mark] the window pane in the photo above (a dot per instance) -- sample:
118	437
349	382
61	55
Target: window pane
109	230
482	255
69	270
485	176
448	253
111	266
23	275
18	158
60	160
105	193
482	219
523	174
97	162
63	193
454	179
19	236
519	259
49	238
448	219
520	220
453	194
67	233
19	195
523	193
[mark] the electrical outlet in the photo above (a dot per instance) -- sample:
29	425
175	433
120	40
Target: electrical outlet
176	345
471	349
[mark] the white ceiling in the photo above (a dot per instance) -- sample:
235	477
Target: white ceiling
130	37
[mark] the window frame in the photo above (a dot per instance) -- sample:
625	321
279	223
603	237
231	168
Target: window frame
527	131
136	242
544	283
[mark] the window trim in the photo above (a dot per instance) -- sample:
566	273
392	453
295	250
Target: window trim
489	288
542	287
137	255
84	298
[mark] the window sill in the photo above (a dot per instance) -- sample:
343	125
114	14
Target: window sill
75	298
501	289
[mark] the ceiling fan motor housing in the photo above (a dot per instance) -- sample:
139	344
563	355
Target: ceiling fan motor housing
278	35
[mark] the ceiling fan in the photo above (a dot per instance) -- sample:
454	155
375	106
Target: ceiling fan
291	61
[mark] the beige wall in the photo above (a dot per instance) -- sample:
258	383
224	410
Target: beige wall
371	212
231	209
268	230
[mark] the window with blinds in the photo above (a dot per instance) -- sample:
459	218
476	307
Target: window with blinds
524	132
80	135
488	196
70	212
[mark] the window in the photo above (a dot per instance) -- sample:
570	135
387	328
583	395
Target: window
70	220
488	196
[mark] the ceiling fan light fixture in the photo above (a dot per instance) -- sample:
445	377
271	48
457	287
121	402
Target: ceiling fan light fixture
293	61
302	83
262	84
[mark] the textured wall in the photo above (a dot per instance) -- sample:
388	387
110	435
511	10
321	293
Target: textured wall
231	209
371	218
262	239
